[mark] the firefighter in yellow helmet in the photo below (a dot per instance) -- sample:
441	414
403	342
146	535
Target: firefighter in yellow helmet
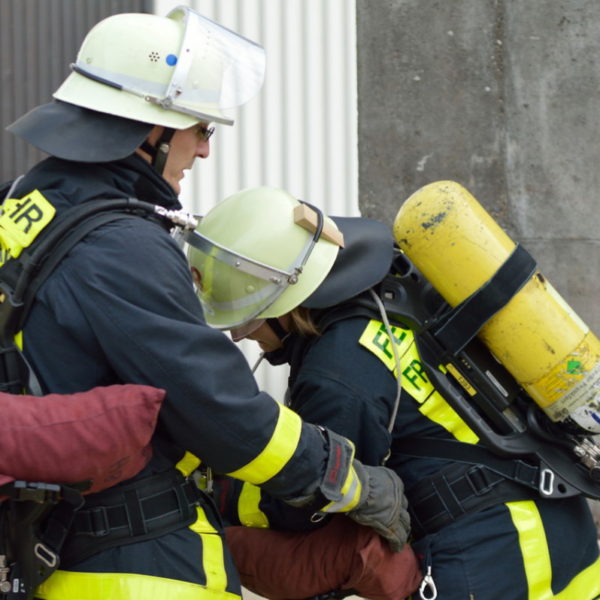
133	115
481	525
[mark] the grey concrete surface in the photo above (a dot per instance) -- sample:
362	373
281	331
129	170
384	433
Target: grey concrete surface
502	96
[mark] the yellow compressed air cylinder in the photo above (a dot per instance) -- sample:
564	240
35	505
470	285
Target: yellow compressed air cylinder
537	336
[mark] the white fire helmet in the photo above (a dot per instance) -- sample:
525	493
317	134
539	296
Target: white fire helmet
173	71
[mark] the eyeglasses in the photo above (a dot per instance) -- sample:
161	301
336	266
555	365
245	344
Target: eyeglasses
204	131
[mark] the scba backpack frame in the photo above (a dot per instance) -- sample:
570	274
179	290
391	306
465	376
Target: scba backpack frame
519	442
35	516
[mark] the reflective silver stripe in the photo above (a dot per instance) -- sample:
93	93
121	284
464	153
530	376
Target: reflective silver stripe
267	293
245	264
116	81
348	500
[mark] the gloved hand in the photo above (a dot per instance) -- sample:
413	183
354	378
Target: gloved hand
371	496
382	505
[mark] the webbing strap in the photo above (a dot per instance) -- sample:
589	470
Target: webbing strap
140	510
60	251
465	320
455	491
515	469
21	278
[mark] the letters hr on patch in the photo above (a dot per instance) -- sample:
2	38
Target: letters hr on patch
28	211
21	221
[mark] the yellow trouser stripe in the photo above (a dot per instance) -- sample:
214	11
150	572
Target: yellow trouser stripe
249	512
70	585
413	377
536	559
213	560
277	452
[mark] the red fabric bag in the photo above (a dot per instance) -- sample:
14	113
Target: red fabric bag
342	555
102	435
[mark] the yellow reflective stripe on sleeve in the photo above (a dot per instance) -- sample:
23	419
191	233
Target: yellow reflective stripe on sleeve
536	559
21	221
414	378
277	452
351	491
188	464
71	585
213	559
249	512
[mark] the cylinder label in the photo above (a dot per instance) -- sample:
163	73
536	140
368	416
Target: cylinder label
572	388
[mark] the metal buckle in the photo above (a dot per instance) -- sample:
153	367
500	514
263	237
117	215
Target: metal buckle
99	521
37	492
478	481
49	558
428	584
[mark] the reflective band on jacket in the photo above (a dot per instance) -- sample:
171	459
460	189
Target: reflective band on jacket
277	452
414	378
70	585
213	560
350	494
249	512
536	559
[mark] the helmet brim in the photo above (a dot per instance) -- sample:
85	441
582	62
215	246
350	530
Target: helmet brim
364	260
79	134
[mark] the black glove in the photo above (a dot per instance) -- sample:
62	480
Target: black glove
371	496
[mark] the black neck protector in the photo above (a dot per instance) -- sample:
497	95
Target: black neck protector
278	330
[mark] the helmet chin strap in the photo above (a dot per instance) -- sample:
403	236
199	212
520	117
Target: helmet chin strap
278	330
160	151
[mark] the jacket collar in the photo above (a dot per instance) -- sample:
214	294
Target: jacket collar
68	183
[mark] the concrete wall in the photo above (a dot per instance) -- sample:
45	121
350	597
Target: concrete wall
502	96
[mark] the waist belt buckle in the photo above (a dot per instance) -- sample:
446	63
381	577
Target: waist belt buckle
99	521
479	481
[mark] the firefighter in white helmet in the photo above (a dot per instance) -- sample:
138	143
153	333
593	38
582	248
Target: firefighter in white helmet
120	307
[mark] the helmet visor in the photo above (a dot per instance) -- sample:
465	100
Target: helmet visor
242	63
243	331
233	288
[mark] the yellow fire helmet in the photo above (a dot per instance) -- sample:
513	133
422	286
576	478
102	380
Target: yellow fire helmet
258	254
